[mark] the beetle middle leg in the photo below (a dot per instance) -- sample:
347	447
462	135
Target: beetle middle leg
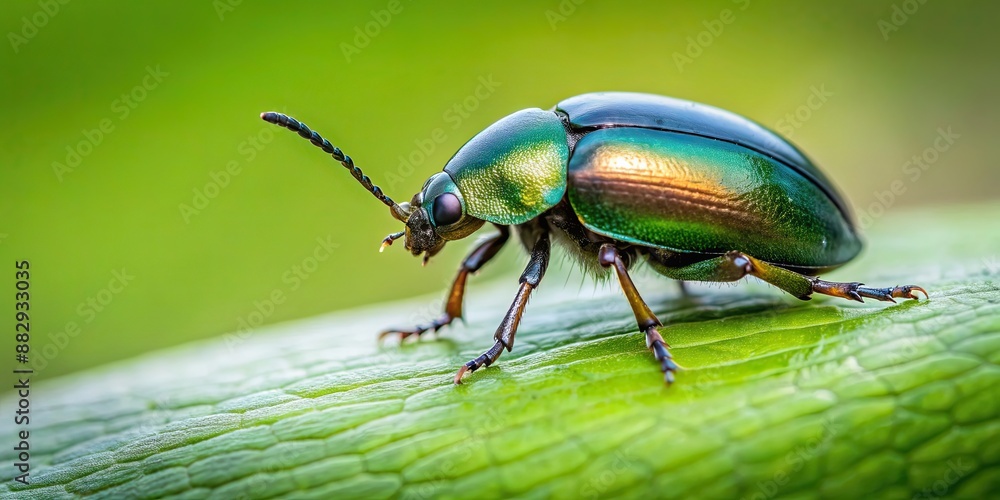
478	257
608	256
504	335
735	265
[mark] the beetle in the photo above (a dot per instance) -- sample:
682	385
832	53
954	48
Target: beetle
697	192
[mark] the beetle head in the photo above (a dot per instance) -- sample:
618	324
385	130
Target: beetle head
433	217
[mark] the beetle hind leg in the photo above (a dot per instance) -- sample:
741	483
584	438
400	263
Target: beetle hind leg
735	265
855	291
803	286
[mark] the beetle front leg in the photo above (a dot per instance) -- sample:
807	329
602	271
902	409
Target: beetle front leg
609	256
504	335
479	256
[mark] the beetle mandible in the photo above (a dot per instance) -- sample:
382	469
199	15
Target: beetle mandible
699	193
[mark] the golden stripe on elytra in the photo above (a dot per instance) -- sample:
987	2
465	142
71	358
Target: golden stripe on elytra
614	172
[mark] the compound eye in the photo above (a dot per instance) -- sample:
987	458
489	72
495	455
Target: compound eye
447	209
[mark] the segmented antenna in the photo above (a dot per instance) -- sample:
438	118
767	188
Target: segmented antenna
319	141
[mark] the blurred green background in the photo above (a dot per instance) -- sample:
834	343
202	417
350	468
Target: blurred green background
177	87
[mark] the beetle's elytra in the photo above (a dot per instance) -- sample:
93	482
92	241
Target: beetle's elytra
700	193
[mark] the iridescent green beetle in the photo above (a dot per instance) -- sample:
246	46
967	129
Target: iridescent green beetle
700	193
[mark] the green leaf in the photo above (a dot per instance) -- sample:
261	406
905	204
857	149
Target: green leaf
778	397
